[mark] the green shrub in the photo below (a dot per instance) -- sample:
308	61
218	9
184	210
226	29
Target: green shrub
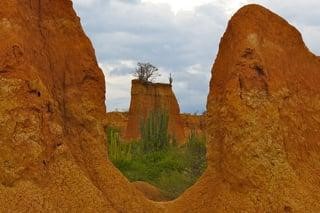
174	183
196	154
116	149
169	167
154	131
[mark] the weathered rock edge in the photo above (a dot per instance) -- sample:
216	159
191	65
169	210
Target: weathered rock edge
149	97
52	144
263	119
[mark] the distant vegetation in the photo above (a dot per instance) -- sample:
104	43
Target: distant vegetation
156	158
154	132
146	72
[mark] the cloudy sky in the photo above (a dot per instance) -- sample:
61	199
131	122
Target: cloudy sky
178	36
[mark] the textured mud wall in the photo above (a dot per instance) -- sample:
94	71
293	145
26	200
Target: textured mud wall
52	145
146	98
190	123
118	120
193	124
263	121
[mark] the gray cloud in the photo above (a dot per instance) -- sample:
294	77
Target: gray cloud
304	15
127	31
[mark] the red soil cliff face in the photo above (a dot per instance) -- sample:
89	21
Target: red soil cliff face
190	123
118	120
52	144
146	98
193	124
263	121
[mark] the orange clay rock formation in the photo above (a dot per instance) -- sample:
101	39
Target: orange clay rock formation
118	120
149	191
193	123
263	122
190	123
148	97
263	119
52	144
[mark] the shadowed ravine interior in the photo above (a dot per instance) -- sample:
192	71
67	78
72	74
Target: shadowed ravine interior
262	120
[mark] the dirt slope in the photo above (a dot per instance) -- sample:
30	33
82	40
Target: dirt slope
149	191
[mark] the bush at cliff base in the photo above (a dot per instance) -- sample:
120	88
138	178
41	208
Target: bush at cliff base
153	159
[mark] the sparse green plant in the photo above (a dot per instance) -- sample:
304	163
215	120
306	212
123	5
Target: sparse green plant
154	131
116	149
169	167
196	153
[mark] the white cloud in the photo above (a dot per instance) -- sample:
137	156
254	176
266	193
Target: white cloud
230	6
178	36
177	5
85	3
118	86
195	69
117	65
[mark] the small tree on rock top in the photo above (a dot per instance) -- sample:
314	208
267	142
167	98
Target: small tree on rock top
146	72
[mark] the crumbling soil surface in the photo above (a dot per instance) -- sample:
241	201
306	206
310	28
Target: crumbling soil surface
149	97
263	119
149	191
52	143
262	122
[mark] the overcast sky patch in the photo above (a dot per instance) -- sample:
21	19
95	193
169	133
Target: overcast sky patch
178	36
